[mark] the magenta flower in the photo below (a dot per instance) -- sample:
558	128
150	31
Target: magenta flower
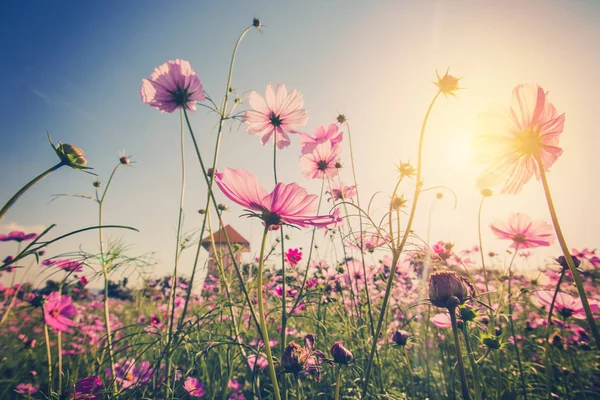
278	112
524	232
331	135
59	311
293	256
322	162
18	236
193	387
565	304
511	139
88	388
286	204
171	86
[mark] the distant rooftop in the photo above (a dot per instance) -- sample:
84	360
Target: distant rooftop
219	237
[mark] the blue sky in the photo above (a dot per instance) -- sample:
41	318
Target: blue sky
75	68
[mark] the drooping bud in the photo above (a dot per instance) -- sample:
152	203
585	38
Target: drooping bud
340	354
563	262
341	118
400	337
294	358
223	207
97	183
448	290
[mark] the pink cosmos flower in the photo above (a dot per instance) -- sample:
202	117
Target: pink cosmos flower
286	204
524	232
234	385
293	256
512	138
193	387
171	86
59	311
565	304
257	362
331	135
278	112
341	192
18	236
441	321
27	389
129	374
322	162
367	243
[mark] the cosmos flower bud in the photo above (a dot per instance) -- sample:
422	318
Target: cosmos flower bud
124	160
400	337
486	192
491	342
563	262
556	340
97	183
294	357
202	211
439	195
447	84
256	23
448	290
340	354
223	207
398	202
70	155
341	118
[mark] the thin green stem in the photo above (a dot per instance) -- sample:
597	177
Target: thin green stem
512	325
105	273
338	382
223	115
25	188
567	254
171	302
474	367
398	250
547	359
461	365
48	352
261	312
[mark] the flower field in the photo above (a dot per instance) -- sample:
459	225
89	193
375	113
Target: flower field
367	307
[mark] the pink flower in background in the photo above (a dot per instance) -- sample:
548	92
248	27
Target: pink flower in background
257	362
321	162
278	111
27	389
367	242
293	256
286	204
130	374
171	86
441	321
565	304
59	311
331	135
524	232
193	387
511	139
341	192
18	236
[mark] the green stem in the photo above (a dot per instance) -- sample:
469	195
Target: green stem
171	302
567	254
474	367
35	180
411	373
105	273
261	312
48	353
338	382
547	359
512	326
398	251
461	365
222	117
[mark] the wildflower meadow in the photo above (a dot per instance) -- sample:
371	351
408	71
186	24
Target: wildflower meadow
275	272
